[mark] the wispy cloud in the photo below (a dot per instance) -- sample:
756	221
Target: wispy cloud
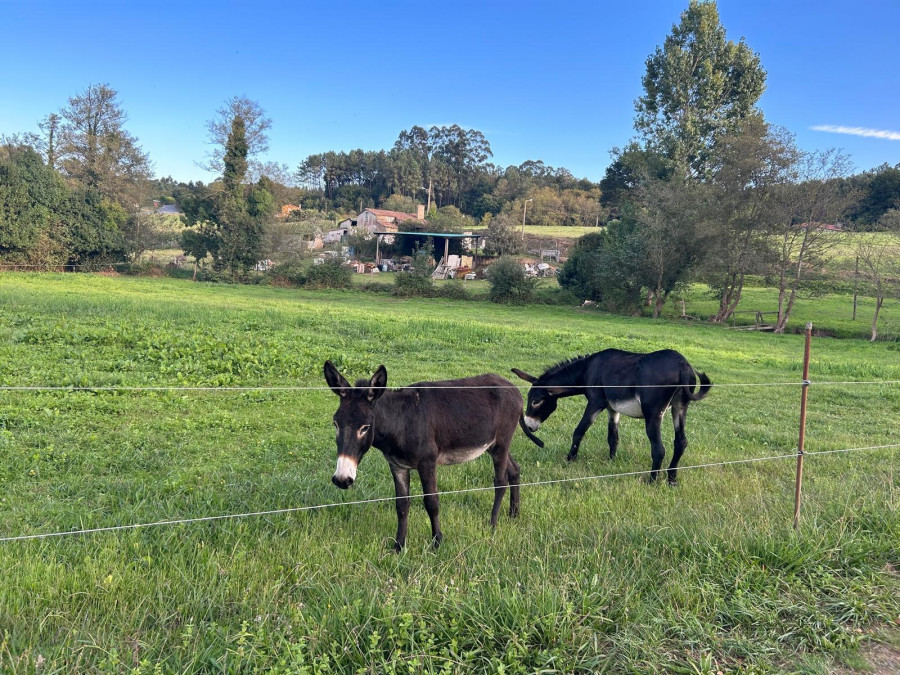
859	131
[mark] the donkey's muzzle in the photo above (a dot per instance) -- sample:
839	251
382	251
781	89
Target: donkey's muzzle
342	482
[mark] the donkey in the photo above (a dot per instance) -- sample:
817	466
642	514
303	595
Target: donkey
637	385
425	425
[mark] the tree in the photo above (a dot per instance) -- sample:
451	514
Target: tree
666	222
256	128
51	126
809	211
229	221
32	200
879	256
400	203
508	283
698	85
746	167
582	272
881	194
501	237
95	149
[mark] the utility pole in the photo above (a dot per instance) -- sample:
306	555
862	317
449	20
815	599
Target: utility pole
524	211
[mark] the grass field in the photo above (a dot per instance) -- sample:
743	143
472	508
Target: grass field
595	575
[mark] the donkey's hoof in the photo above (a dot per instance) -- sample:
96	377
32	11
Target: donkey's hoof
436	542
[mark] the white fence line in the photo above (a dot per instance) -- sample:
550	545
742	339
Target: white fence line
295	509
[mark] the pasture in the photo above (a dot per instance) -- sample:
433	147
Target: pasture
595	574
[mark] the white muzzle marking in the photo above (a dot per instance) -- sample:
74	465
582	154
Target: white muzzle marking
532	424
346	469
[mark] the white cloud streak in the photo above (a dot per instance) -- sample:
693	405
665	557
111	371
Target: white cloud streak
859	131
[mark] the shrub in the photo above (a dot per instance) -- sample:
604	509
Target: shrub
329	274
454	289
417	282
508	282
410	284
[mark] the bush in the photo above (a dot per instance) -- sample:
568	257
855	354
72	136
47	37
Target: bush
329	274
454	289
410	284
508	282
417	282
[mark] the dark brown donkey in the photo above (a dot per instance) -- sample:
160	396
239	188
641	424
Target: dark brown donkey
424	425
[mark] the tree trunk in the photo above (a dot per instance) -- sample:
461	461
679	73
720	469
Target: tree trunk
730	298
878	302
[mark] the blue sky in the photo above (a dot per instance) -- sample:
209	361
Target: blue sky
554	81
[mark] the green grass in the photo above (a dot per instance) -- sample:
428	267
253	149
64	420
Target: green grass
830	313
556	231
607	575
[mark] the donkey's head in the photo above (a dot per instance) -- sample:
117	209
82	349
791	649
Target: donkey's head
542	400
354	420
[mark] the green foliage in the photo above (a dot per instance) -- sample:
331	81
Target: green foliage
448	219
32	201
329	274
582	273
608	267
509	284
501	238
418	281
229	220
697	86
400	203
881	192
454	289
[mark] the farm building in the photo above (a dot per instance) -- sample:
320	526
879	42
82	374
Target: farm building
374	221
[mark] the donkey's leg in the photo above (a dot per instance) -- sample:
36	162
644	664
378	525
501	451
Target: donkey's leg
500	455
401	487
612	432
679	413
428	474
512	473
653	425
587	419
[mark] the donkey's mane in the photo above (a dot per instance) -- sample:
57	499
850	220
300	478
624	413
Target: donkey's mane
562	365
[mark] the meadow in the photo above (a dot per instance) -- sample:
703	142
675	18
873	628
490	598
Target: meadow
596	575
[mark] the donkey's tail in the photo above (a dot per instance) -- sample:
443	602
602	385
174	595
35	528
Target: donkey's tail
534	439
705	386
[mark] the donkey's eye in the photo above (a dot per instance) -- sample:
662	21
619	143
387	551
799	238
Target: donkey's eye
334	422
536	404
364	429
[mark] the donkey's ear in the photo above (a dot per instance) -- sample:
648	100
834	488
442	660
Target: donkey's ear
377	383
335	380
525	376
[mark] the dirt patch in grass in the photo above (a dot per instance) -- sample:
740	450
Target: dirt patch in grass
878	658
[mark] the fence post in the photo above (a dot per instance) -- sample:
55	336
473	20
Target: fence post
803	395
